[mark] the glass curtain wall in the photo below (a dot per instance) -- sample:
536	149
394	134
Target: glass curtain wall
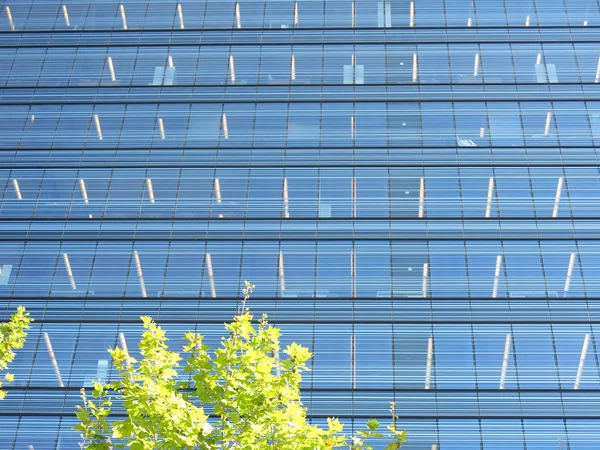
413	187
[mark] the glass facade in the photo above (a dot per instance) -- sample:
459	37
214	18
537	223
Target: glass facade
413	187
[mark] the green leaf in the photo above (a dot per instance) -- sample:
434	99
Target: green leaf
335	425
373	424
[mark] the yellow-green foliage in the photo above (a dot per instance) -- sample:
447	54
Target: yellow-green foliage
12	337
250	394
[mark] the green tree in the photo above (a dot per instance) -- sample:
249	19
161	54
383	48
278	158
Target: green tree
12	337
240	396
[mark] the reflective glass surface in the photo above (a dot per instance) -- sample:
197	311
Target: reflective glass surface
413	187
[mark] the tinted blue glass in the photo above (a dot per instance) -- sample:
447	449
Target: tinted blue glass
412	186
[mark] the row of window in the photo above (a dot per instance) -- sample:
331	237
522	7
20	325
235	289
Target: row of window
462	124
297	157
55	433
418	403
321	310
300	64
300	94
301	193
321	230
292	269
182	14
420	357
301	36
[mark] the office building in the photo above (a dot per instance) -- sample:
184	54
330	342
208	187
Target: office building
413	187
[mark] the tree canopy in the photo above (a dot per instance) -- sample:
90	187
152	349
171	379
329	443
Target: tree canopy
12	337
242	395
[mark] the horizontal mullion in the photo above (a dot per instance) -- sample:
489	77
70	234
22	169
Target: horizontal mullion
174	30
343	389
295	42
300	86
297	147
284	300
289	239
285	322
288	166
356	416
302	219
66	101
